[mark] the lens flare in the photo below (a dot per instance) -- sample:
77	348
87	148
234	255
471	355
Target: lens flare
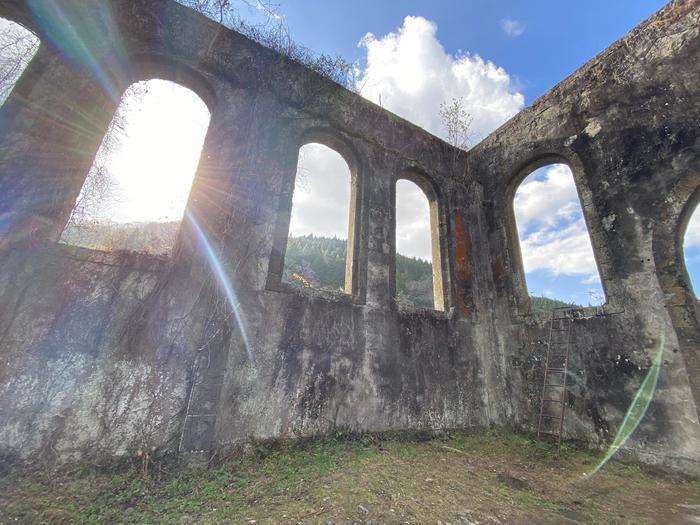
638	408
63	25
223	280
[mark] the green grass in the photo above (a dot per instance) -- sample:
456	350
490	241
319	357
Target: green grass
382	478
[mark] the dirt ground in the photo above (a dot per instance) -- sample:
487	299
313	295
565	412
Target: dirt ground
453	479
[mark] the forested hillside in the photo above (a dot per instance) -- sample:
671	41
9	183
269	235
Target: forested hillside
320	262
310	261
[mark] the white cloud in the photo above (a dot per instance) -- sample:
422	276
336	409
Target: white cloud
592	279
561	251
409	73
321	203
513	28
321	200
692	232
545	197
551	227
412	221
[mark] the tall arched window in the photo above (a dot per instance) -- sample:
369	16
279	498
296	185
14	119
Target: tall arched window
560	268
319	246
135	194
691	250
418	266
17	47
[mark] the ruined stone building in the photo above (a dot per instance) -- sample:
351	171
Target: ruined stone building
103	353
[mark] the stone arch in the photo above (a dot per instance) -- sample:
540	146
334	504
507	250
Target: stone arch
328	137
667	246
669	233
438	235
154	66
141	67
585	198
150	216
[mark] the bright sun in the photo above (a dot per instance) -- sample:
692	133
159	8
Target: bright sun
157	156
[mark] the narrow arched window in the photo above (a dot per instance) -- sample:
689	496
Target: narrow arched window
319	246
691	250
17	47
135	194
560	268
418	266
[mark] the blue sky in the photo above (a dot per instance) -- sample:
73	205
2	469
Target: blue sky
558	37
555	245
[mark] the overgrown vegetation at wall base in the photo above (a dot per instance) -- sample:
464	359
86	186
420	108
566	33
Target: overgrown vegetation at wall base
361	478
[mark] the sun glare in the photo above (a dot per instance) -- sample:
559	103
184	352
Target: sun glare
153	163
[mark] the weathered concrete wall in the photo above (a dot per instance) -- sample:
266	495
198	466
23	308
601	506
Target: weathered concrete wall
627	125
105	353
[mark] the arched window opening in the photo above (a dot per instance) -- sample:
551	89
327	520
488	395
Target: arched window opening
418	262
560	268
135	194
691	250
17	47
320	229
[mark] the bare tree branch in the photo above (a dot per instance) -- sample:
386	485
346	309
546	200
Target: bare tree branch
272	31
17	47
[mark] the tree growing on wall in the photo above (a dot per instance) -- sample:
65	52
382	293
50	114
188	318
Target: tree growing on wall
457	122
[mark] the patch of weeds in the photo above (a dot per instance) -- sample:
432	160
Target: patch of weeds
511	476
181	485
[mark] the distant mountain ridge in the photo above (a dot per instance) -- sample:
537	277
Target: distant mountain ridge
310	261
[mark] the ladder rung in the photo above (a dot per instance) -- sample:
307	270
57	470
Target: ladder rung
558	355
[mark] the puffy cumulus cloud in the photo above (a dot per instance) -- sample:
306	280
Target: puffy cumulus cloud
409	73
513	28
321	200
412	221
552	230
561	251
545	197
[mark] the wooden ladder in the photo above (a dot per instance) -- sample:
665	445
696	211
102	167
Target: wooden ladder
556	368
